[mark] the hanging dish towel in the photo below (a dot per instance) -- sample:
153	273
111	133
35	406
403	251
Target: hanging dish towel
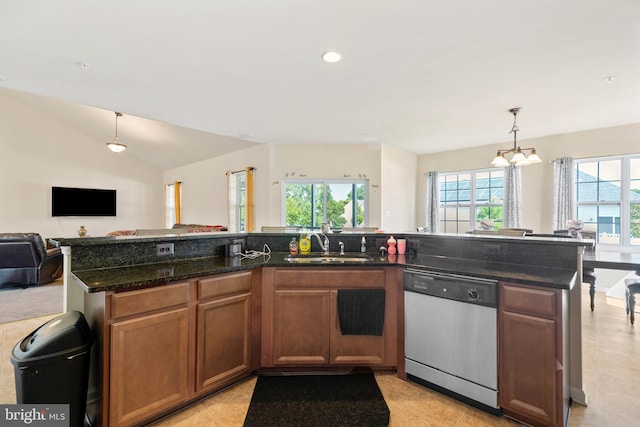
361	311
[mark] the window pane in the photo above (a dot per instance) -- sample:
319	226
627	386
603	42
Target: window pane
318	211
340	206
482	180
298	204
609	191
588	213
609	224
635	224
464	214
587	192
609	180
587	172
610	170
169	209
490	187
634	176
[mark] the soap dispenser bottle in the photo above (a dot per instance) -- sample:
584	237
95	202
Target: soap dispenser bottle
363	245
391	246
305	244
293	246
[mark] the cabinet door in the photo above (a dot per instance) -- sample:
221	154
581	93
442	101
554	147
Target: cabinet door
149	358
223	340
530	353
353	349
301	327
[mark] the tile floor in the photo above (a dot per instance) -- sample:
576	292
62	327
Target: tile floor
611	375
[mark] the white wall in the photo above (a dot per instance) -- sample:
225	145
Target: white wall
315	161
537	179
204	186
398	190
38	152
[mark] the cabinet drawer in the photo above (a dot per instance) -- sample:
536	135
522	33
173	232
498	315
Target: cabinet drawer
335	278
224	284
529	300
136	302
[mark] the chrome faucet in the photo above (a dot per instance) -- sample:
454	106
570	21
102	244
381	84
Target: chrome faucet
341	248
324	246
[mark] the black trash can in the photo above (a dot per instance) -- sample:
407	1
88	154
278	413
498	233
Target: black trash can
52	365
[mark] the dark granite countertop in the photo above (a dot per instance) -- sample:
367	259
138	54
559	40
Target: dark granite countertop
143	275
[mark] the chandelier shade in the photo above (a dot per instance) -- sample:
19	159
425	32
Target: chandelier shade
116	146
518	155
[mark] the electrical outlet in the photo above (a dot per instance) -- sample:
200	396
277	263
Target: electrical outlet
413	245
164	272
493	250
164	249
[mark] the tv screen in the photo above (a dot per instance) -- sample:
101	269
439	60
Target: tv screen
67	201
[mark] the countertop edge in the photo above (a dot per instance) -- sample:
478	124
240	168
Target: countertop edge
158	274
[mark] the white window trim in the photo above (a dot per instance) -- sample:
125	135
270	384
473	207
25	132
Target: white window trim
624	202
472	205
285	182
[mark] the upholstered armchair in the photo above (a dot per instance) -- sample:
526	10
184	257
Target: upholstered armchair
25	260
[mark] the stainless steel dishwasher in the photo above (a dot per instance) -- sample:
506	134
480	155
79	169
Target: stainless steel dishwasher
451	335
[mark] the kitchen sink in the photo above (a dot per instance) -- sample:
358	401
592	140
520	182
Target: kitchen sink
333	259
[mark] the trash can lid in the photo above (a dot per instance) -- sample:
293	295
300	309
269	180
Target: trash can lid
65	332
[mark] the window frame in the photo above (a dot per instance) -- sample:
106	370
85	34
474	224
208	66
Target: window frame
172	204
473	204
624	202
316	181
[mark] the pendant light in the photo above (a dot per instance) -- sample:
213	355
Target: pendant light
115	145
518	154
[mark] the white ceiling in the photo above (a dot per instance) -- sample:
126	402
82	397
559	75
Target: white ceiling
201	78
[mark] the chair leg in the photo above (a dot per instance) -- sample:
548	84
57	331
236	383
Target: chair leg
589	276
632	306
626	300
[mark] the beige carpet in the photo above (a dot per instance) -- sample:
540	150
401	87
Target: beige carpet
34	301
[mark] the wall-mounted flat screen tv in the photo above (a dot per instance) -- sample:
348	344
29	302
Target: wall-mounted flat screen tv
66	201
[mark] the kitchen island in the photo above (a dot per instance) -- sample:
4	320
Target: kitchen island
136	301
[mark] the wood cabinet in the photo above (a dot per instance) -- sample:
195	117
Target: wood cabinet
223	325
149	352
532	354
168	345
300	323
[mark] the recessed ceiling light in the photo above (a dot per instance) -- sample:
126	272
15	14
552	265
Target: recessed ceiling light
331	56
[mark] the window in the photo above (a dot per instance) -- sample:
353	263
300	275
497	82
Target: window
240	200
468	197
172	203
341	203
608	198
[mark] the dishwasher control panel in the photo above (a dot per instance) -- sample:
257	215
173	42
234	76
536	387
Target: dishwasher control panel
456	287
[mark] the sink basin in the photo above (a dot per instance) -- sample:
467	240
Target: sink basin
317	258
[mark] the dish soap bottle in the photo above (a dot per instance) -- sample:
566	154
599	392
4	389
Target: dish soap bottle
305	244
363	245
293	246
391	246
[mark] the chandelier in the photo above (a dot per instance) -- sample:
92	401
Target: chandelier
115	145
518	154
